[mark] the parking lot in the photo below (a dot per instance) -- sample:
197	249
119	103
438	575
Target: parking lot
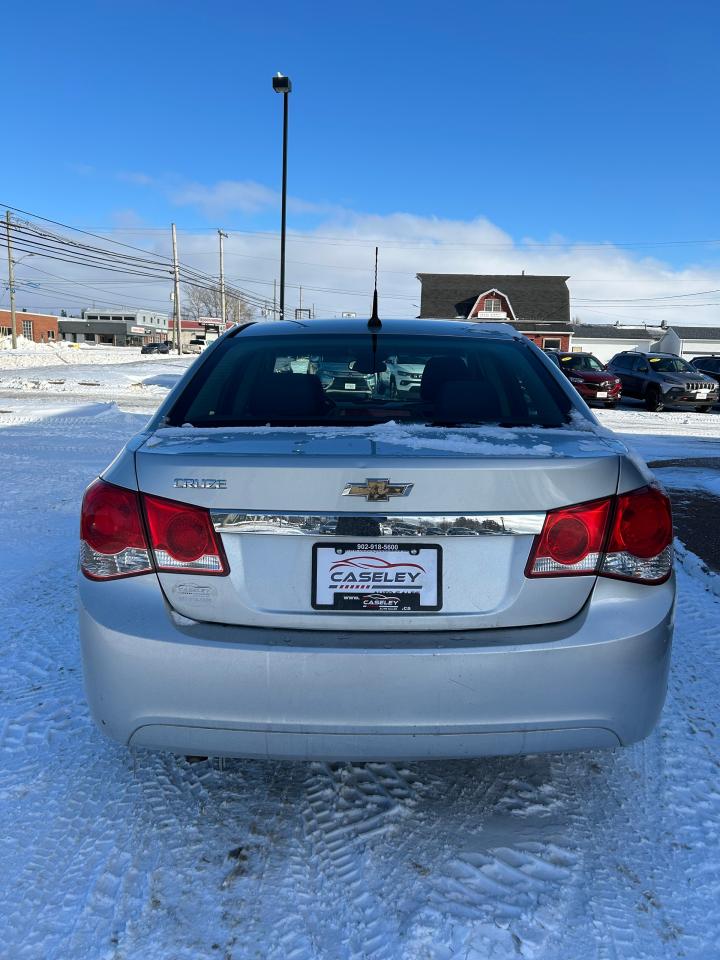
112	854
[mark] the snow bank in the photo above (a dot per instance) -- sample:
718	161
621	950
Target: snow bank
31	354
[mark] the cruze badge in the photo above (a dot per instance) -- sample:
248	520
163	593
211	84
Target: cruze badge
376	490
190	483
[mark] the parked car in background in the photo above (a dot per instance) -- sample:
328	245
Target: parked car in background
402	375
591	378
664	380
196	345
469	569
337	378
162	347
710	366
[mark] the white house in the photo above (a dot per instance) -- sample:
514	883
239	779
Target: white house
690	342
605	340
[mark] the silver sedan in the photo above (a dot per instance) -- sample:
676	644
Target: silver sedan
469	569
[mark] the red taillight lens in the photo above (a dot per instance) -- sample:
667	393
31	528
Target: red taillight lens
627	537
643	523
640	542
182	538
571	541
111	533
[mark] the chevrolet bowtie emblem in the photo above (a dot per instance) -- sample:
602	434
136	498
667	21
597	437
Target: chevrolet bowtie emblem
376	490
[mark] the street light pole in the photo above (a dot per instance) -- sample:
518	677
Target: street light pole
11	282
283	85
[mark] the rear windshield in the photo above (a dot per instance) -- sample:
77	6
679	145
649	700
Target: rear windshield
343	379
582	361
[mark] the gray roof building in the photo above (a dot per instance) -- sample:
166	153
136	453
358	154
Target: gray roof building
534	299
612	331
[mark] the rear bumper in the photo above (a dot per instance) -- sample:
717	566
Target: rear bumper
156	680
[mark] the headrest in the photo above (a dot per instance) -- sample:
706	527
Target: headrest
288	395
467	401
438	370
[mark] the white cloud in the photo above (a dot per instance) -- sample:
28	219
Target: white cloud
334	263
225	197
137	177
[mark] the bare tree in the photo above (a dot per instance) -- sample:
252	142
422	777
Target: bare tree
202	302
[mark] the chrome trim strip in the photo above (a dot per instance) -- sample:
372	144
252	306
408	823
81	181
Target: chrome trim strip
377	525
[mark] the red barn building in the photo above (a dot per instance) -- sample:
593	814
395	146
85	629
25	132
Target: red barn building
538	306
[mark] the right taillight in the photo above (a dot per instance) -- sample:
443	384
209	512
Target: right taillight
628	537
640	543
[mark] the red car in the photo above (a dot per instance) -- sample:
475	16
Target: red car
591	378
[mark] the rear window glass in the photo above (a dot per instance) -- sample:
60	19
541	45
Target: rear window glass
349	379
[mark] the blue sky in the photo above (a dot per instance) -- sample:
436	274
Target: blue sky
572	121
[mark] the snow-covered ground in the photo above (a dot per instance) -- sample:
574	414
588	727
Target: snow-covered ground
609	855
89	373
64	353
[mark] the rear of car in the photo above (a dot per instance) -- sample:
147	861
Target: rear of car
277	567
591	378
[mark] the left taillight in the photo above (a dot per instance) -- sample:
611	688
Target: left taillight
180	537
112	538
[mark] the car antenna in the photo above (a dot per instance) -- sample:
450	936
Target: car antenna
374	321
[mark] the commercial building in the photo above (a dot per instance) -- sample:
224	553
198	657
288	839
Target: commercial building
127	328
39	327
204	328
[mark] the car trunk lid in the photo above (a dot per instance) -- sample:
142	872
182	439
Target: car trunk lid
478	494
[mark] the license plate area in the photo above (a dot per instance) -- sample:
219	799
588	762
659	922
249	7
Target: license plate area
371	577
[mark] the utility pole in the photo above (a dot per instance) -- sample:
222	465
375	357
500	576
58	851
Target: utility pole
223	312
274	299
11	283
176	288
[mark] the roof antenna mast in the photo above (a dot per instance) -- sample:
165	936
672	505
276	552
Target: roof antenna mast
374	321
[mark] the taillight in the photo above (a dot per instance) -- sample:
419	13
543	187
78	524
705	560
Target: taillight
627	537
571	541
640	542
182	538
112	539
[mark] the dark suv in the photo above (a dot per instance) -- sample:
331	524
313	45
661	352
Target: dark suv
708	365
591	378
662	379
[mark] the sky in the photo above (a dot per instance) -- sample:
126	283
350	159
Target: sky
578	138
